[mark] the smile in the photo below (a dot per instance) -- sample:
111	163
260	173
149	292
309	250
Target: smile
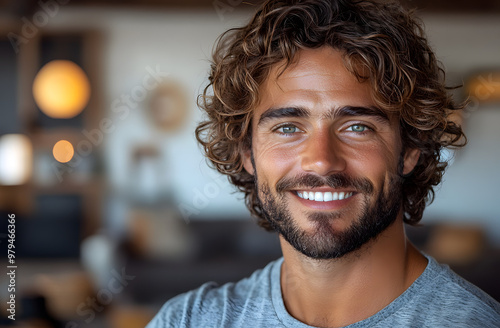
324	196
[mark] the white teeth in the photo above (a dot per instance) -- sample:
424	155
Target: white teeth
324	196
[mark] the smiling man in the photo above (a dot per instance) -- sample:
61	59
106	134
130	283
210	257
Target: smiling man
330	116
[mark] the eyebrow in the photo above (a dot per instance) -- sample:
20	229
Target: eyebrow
344	111
334	113
283	112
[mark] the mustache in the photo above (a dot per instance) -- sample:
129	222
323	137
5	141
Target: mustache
335	181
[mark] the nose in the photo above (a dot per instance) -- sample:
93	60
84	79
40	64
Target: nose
322	154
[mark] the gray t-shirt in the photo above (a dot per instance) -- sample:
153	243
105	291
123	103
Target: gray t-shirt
438	298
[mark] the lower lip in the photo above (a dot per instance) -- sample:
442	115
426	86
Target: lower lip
331	205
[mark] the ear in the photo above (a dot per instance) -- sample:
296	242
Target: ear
410	160
246	157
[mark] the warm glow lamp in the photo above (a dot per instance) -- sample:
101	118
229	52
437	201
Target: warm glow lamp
61	89
485	87
16	159
63	151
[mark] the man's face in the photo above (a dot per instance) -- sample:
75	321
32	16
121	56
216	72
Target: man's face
327	161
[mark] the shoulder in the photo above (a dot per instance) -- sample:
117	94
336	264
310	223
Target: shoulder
181	309
216	304
445	297
468	300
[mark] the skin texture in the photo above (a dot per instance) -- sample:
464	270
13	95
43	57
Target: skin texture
340	290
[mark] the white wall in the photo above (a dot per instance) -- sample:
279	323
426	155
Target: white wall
181	42
468	45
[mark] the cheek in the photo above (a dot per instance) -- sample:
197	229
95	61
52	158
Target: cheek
274	161
378	164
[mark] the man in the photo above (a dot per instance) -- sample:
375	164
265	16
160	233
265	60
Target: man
330	116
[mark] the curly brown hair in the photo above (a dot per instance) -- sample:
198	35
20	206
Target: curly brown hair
382	40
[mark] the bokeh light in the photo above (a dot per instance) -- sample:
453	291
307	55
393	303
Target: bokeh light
61	89
63	151
485	87
16	159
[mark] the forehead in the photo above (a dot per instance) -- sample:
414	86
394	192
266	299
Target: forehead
318	80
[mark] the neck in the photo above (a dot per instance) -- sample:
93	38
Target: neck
339	292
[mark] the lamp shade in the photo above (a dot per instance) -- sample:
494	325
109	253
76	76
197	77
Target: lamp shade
61	89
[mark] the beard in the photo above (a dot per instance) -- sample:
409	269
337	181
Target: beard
324	241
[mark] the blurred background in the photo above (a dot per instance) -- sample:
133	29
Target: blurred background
116	209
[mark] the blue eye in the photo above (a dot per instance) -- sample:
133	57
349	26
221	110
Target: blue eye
287	129
360	128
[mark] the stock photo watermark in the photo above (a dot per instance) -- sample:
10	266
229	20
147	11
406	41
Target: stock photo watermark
30	28
11	266
201	197
88	309
223	7
486	87
122	107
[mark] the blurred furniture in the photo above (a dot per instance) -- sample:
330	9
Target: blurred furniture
130	317
64	292
229	250
223	251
